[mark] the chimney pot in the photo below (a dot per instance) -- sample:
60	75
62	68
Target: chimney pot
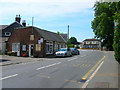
17	18
24	23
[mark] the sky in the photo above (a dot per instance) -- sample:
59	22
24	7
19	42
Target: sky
52	15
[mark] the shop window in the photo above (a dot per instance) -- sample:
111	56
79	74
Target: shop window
49	48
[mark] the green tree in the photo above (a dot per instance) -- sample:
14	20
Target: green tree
103	23
116	44
72	40
58	32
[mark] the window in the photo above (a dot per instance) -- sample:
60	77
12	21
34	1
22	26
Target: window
49	47
15	47
31	37
56	47
23	47
38	47
7	33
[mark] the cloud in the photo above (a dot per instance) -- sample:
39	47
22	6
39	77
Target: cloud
45	8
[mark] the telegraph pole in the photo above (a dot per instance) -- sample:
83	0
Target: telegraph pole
68	37
32	23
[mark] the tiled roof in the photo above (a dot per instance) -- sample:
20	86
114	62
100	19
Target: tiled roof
91	40
11	27
3	26
50	36
64	36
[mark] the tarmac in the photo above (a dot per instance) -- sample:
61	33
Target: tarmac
108	76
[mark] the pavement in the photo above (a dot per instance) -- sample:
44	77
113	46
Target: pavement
6	60
108	74
105	77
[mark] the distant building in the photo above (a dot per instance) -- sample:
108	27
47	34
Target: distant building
2	44
91	44
80	44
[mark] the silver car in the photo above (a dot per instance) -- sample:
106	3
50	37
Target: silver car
74	51
63	52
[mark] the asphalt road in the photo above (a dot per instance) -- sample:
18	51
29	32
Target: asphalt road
53	73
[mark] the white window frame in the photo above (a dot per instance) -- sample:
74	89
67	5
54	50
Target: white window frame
56	47
16	47
7	34
49	43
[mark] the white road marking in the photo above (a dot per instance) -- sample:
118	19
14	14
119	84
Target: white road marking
73	59
48	66
8	77
86	83
83	55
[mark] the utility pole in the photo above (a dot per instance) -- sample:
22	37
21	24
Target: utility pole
68	38
68	34
32	23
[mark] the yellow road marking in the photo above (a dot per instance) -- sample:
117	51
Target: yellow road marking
44	76
72	81
92	69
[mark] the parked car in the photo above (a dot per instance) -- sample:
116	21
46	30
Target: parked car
63	52
75	51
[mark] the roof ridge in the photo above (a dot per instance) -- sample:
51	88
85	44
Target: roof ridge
12	24
62	38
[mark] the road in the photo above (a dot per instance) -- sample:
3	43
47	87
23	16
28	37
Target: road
53	73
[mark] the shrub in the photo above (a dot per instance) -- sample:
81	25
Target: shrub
116	44
9	53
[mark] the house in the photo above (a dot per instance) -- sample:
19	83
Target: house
7	31
79	44
92	44
1	40
35	42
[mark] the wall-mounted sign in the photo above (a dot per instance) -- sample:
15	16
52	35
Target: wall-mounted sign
41	39
23	47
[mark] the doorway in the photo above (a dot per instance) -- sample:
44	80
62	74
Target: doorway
31	50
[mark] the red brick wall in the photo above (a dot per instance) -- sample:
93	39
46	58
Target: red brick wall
22	36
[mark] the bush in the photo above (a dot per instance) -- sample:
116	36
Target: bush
9	53
71	46
116	44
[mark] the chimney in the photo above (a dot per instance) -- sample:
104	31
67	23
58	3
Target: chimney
24	23
17	18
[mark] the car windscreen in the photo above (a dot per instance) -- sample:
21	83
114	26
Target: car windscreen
63	49
72	48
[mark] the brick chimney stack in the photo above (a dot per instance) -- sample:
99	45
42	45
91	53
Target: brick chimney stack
17	18
24	23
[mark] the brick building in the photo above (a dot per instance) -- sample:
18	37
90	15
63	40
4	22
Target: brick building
35	42
91	44
7	30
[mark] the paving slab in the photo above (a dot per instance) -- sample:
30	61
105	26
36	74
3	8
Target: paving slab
107	76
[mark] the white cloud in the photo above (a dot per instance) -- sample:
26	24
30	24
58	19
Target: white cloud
45	8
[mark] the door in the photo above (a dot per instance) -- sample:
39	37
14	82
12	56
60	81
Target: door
31	50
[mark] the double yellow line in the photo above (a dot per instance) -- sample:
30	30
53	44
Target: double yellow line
92	69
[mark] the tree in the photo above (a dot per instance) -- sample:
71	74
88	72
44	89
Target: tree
103	23
72	40
58	32
116	44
